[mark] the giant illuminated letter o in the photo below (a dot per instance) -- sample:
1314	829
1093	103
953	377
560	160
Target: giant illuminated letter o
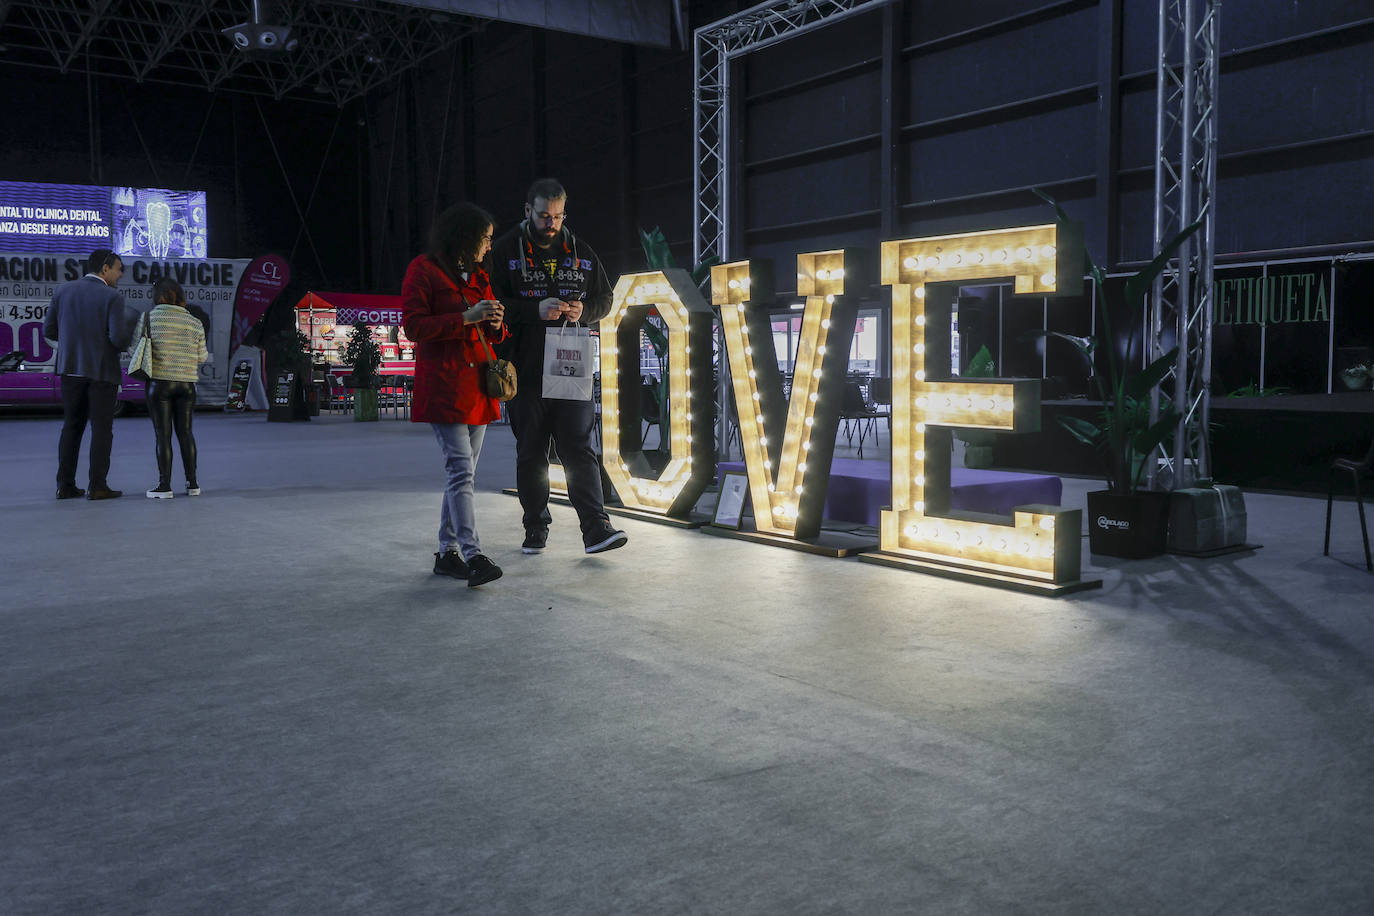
688	423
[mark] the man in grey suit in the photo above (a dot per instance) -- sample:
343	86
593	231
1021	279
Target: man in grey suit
91	325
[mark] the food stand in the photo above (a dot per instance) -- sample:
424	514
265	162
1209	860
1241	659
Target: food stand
327	318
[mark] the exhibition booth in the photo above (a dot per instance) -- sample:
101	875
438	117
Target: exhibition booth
326	318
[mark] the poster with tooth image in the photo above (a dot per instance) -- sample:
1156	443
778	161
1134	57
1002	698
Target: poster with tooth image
158	223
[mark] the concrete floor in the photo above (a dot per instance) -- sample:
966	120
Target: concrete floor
262	701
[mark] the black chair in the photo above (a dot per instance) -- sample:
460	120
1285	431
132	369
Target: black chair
1357	470
406	386
732	434
858	415
648	406
400	401
880	397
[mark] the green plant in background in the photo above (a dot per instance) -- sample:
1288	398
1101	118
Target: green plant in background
658	256
363	355
1253	390
288	347
1123	434
1357	376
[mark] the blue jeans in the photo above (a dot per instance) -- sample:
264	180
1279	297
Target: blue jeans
461	444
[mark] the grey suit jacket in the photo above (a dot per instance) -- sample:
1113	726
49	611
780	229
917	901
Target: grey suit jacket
91	325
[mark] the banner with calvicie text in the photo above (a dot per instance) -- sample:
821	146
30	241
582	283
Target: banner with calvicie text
29	280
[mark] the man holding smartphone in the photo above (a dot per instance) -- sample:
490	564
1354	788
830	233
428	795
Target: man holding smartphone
545	277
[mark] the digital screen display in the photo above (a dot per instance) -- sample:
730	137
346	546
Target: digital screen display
76	219
158	223
57	218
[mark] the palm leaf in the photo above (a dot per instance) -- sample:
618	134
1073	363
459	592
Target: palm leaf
1084	431
1138	386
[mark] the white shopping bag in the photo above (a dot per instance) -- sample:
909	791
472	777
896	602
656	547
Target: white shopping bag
568	363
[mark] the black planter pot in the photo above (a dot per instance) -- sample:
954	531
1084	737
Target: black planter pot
1131	527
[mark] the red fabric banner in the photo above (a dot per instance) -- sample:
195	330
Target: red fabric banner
262	282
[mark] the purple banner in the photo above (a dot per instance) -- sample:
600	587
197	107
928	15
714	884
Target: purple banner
348	316
61	218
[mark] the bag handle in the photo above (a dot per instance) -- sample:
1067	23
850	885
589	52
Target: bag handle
482	336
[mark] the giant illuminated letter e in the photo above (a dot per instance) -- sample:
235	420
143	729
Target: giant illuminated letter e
1041	546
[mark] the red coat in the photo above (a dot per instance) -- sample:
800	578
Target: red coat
448	353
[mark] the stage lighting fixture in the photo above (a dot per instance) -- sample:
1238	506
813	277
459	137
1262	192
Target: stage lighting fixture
261	33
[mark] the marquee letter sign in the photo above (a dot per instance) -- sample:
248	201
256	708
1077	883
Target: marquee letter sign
1041	547
788	466
688	420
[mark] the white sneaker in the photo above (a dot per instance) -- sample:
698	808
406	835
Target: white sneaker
160	494
193	491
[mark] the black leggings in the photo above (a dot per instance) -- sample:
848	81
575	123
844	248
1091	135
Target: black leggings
170	405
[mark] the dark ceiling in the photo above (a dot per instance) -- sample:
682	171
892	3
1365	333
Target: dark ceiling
343	47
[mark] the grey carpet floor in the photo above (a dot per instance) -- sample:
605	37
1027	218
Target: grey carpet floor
262	701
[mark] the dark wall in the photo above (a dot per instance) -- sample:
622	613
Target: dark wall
251	156
609	121
971	103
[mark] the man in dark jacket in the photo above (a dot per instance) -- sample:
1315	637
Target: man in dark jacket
546	276
91	325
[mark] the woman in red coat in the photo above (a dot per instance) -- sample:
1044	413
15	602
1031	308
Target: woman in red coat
449	311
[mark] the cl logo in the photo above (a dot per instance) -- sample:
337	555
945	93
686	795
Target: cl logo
270	269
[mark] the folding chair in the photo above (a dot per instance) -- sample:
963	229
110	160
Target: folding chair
1357	470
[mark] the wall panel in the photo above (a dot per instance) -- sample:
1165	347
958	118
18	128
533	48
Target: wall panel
1003	67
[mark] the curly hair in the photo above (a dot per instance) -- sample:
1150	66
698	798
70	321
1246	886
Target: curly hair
168	292
456	236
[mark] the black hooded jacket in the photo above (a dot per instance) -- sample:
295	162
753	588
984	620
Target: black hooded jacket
523	275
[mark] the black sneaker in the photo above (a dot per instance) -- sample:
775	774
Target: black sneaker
604	538
481	571
536	539
450	563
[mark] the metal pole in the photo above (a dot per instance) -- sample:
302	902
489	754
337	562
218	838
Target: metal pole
1155	318
1185	260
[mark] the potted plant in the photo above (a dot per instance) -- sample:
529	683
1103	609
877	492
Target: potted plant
288	348
1125	520
365	358
1356	377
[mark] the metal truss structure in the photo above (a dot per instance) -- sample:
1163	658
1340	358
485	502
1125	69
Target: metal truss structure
346	47
1185	192
715	46
1185	182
